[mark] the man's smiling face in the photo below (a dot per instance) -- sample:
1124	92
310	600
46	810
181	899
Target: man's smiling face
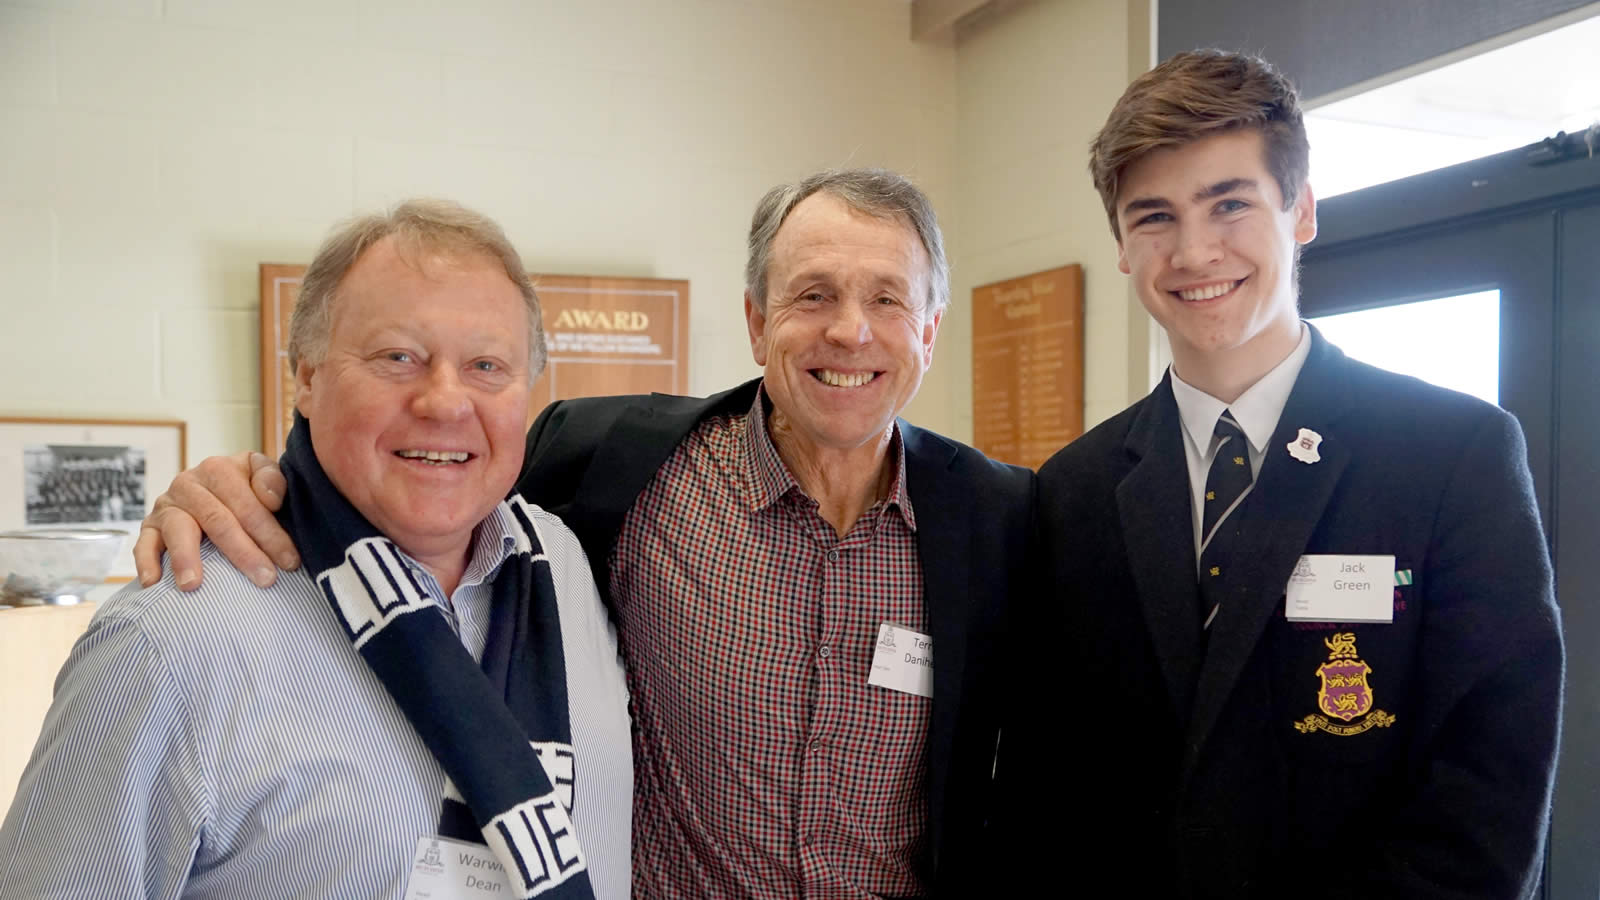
846	334
1212	250
419	407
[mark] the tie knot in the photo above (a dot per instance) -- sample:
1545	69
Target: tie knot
1228	427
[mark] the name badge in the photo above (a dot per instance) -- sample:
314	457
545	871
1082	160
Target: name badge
902	661
1339	588
443	869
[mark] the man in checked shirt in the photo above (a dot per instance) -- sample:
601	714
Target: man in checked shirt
757	547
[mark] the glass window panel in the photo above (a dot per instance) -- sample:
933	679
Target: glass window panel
1453	342
1505	98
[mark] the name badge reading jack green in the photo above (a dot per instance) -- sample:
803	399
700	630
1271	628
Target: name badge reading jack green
1327	587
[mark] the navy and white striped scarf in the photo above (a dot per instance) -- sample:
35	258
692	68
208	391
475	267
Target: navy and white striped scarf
501	732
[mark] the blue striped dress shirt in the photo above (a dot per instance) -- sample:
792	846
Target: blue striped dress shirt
230	743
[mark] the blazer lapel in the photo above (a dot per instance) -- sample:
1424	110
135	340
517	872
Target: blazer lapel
1283	511
944	548
1153	503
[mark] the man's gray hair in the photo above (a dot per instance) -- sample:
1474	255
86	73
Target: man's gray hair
418	226
873	192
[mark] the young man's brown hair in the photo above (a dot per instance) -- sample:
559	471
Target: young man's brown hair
1195	95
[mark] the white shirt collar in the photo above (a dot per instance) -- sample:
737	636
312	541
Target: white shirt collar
494	540
1257	410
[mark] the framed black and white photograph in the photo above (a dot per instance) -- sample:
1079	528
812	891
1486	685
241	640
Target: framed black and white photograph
99	473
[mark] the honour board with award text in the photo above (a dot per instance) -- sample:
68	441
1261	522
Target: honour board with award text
1027	365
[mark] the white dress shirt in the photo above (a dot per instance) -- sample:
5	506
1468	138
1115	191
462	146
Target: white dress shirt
1257	411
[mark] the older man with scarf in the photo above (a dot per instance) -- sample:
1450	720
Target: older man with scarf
433	704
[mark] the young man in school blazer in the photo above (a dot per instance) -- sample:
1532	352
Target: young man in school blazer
1305	635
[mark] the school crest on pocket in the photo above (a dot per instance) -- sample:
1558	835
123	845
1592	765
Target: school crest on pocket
1345	692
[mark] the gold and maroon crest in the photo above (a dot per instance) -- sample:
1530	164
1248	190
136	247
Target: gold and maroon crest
1344	693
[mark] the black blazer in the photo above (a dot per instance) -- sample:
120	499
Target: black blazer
588	460
1174	771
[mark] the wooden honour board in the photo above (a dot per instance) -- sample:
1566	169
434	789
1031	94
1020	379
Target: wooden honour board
1027	365
606	336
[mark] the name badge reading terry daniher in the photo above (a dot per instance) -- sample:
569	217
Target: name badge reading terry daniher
443	869
902	661
1331	587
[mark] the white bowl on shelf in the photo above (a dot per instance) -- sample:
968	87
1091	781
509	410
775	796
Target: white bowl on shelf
54	566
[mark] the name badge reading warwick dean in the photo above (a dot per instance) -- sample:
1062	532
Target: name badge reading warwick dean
443	869
902	661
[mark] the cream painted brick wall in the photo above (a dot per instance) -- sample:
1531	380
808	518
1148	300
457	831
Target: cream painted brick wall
153	152
26	46
27	267
1033	86
56	362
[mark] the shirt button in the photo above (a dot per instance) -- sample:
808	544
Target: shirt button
833	556
825	652
814	746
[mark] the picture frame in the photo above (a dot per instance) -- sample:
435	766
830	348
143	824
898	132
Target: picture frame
88	473
280	288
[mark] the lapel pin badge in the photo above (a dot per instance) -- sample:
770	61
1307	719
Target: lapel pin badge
1304	446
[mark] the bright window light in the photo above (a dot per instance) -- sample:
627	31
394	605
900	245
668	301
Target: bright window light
1348	156
1452	342
1505	98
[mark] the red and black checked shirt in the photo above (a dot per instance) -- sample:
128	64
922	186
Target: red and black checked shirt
765	766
